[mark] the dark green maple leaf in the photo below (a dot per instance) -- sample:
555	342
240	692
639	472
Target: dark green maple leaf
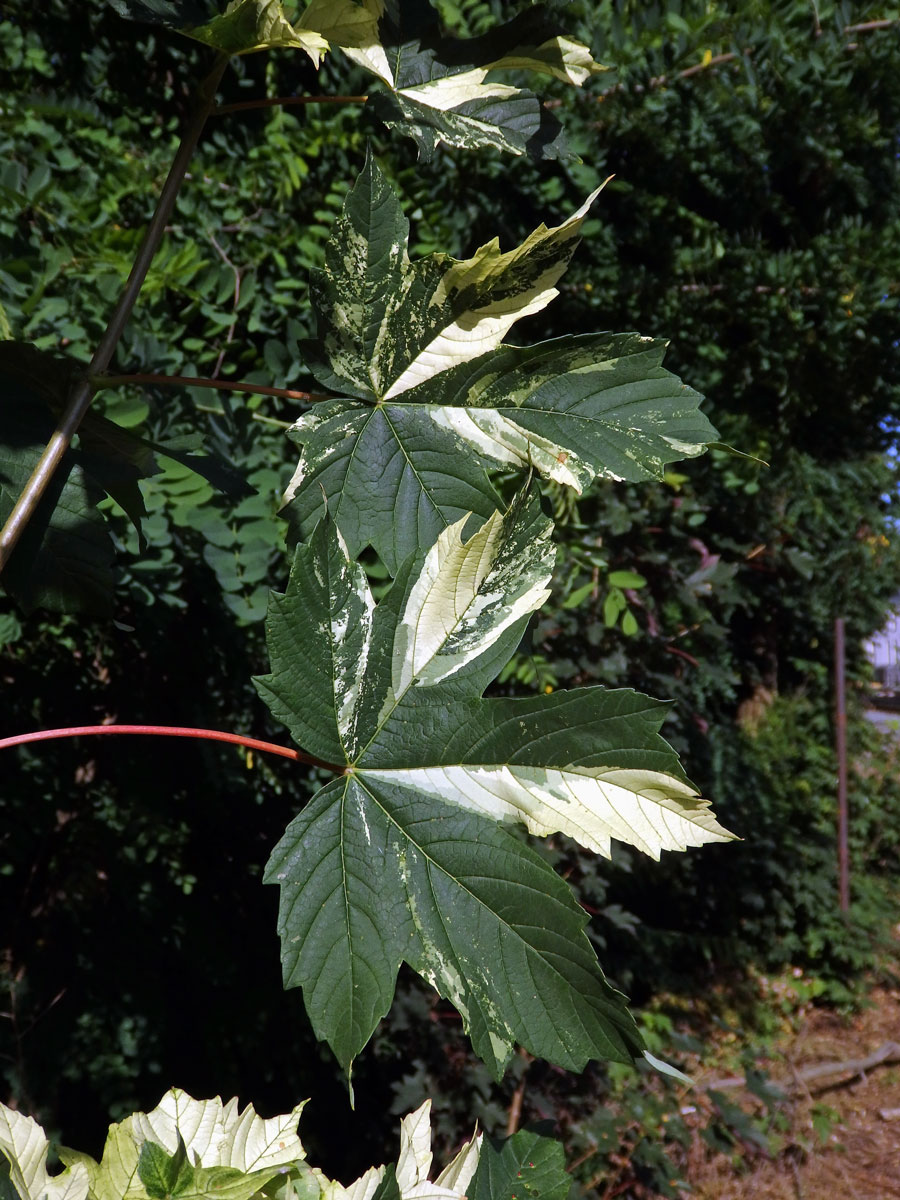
408	854
523	1167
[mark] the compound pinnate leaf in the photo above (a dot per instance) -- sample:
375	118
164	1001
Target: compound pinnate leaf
407	856
435	400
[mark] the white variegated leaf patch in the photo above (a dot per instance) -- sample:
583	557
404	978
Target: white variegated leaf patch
465	596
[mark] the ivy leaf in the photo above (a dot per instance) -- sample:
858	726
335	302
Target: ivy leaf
408	854
434	400
24	1146
239	27
437	89
524	1165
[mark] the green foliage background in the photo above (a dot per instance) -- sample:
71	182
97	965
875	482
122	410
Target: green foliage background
753	219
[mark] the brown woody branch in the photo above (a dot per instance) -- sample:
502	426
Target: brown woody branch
285	102
887	1053
80	399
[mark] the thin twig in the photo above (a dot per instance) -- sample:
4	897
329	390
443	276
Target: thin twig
714	61
514	1116
285	101
254	416
682	654
222	385
83	392
868	26
237	297
213	735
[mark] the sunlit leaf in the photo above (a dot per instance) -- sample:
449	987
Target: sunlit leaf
191	1149
434	399
409	1181
406	856
442	90
24	1145
238	27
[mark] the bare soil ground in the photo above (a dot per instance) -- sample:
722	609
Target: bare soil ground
841	1135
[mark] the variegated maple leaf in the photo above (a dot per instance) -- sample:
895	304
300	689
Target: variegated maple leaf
432	88
430	399
214	1150
230	26
409	854
439	89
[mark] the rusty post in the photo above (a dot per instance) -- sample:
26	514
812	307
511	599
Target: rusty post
841	746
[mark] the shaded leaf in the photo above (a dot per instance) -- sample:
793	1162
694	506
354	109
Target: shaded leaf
64	559
177	14
388	1188
165	1175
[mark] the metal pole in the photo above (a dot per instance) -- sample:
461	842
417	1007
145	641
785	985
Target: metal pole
841	745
